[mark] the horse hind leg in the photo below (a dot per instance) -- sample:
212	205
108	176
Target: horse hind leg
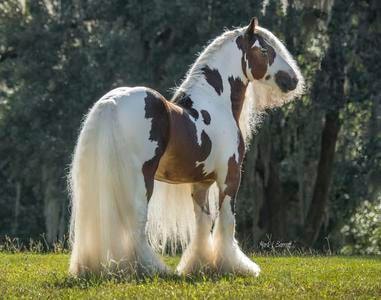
198	256
109	188
142	260
146	260
152	120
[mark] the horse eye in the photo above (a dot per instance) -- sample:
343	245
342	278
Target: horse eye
264	50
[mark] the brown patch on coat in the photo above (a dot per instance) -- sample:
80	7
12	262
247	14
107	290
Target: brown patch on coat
233	177
237	95
232	182
200	195
213	77
257	60
244	65
271	54
179	161
155	109
186	102
205	116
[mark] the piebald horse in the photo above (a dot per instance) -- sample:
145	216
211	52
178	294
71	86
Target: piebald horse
148	172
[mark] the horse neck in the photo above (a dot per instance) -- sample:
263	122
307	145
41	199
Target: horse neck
221	80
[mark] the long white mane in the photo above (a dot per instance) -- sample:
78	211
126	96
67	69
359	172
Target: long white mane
258	96
195	72
169	222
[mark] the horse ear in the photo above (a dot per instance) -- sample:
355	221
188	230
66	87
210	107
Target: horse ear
251	28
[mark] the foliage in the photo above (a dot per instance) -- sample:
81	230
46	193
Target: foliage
45	276
58	57
363	231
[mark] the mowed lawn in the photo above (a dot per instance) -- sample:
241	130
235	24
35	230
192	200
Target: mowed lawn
41	276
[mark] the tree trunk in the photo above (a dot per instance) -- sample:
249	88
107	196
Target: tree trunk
276	205
15	224
272	217
328	93
316	213
374	145
52	204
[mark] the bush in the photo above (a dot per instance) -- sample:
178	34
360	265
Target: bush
363	232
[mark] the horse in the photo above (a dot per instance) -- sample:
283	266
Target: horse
155	174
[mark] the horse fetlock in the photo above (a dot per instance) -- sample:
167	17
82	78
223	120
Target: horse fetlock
229	258
197	258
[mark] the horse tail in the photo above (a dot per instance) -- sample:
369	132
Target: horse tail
171	218
103	227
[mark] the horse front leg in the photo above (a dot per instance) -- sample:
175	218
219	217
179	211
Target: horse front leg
198	257
228	257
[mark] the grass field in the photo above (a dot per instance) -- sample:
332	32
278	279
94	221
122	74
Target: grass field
41	276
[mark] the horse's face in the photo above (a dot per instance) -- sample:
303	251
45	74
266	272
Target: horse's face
265	64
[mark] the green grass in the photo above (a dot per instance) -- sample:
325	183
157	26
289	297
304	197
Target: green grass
41	276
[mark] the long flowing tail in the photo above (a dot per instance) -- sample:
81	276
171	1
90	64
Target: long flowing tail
108	198
171	217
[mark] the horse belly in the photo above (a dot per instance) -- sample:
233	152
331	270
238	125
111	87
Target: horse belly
174	170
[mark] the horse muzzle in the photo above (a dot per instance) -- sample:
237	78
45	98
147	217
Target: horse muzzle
285	81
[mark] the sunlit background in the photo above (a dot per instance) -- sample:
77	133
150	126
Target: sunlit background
313	173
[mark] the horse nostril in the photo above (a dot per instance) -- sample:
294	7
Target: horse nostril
293	83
